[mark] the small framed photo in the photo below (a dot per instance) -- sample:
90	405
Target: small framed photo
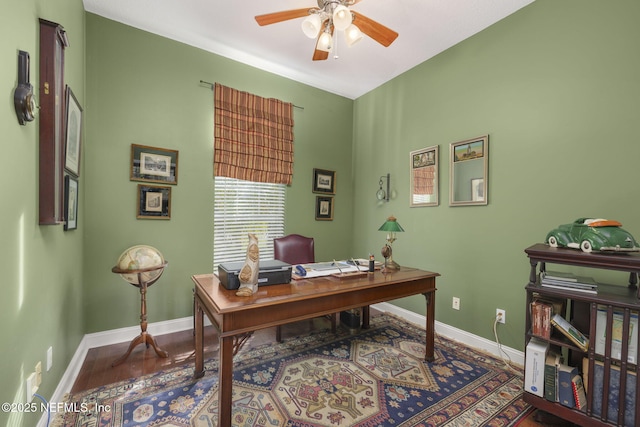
70	203
151	164
73	130
324	181
423	179
154	202
324	208
477	190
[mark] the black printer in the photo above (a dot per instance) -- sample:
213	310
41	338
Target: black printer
272	272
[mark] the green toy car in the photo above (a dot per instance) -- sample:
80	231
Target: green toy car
593	234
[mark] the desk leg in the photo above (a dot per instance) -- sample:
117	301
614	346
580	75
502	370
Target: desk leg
225	382
198	320
366	316
430	326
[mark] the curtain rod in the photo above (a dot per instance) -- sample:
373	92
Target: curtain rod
211	85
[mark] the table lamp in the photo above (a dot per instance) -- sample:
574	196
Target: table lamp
391	226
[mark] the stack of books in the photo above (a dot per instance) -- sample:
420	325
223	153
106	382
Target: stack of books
568	281
563	383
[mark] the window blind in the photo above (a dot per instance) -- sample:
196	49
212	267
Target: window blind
243	207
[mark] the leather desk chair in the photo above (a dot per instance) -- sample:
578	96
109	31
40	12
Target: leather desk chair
296	249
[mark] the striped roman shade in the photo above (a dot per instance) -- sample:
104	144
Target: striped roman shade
253	137
423	179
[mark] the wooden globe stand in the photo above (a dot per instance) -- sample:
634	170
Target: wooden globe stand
144	336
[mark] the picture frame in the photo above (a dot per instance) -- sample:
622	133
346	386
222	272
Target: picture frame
153	164
73	134
477	190
469	172
324	208
324	181
424	180
70	203
154	202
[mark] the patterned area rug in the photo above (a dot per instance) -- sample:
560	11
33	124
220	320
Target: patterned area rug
374	378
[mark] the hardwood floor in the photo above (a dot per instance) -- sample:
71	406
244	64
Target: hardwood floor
97	370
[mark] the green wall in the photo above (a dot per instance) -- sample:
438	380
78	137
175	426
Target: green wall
556	87
42	266
145	89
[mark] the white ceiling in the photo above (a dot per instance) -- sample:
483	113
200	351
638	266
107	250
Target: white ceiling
228	28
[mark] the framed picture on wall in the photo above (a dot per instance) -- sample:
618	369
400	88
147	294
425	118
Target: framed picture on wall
324	208
477	190
73	134
70	203
154	202
468	172
151	164
423	179
324	181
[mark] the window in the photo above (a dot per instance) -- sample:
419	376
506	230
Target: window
243	207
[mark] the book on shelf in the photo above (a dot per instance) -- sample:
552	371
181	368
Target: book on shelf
614	394
564	385
585	372
568	281
541	312
570	331
572	289
579	395
557	275
551	375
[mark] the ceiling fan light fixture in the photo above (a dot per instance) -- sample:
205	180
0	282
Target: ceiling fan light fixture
342	17
352	35
325	42
311	26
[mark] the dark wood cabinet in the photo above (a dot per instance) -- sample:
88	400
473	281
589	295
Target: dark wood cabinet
613	399
53	41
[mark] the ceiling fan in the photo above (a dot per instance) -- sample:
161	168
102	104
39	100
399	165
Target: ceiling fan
330	15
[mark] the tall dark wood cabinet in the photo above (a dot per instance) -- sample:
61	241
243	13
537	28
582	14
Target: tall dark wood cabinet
53	41
610	372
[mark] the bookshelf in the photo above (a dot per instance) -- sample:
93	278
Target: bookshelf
611	312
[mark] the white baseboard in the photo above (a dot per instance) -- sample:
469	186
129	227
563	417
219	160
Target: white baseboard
116	336
475	341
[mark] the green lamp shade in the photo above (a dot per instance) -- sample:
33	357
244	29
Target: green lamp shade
391	225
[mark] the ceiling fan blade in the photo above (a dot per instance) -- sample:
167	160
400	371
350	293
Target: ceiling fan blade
285	15
383	35
320	55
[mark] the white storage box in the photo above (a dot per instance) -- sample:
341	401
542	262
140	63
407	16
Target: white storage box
535	357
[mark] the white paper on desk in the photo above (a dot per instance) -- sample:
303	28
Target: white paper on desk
323	271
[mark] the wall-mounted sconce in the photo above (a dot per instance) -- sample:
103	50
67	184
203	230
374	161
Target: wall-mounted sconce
383	195
23	98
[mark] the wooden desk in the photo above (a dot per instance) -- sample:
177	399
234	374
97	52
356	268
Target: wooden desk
273	305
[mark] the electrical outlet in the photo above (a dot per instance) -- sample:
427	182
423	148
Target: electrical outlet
456	303
32	388
38	374
49	358
501	315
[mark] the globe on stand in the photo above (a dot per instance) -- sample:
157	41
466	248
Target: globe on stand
141	266
141	257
